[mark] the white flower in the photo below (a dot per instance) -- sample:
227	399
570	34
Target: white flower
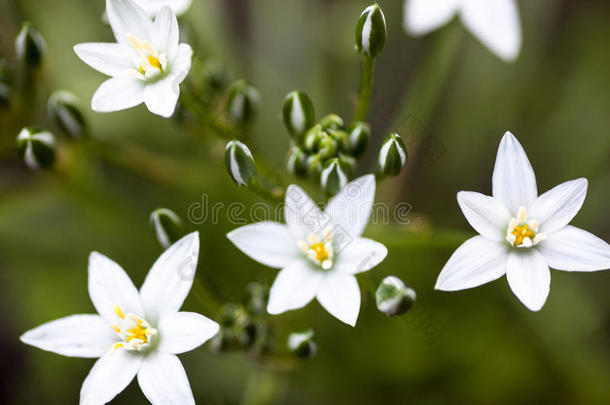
152	7
319	252
522	234
147	64
135	333
494	22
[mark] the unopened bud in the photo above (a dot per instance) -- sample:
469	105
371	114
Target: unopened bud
332	121
393	155
30	46
327	146
243	103
166	226
297	161
302	344
348	162
313	138
393	297
342	139
314	165
64	111
334	176
240	163
36	147
371	31
298	114
359	134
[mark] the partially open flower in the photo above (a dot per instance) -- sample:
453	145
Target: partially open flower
36	147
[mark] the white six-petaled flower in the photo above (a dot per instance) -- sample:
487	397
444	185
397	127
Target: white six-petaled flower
135	333
494	22
319	252
146	65
522	234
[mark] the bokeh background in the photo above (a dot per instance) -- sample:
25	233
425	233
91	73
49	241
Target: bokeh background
445	93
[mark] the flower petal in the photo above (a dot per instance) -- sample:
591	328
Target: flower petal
529	277
487	215
340	296
294	287
127	17
476	262
163	380
556	208
161	96
360	255
165	33
514	181
184	331
86	336
118	93
108	58
351	208
181	65
268	243
496	24
110	375
424	16
152	7
302	214
574	249
110	286
170	279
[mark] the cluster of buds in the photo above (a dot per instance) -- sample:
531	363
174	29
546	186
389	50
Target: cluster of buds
325	150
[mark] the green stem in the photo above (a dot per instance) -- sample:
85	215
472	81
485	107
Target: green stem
366	89
273	195
262	388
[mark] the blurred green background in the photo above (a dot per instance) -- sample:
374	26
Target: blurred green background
478	346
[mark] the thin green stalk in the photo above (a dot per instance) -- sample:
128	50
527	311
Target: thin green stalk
366	89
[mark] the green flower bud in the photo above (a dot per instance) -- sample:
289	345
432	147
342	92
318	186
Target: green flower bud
327	146
64	111
332	121
313	138
348	162
243	103
342	139
240	163
371	31
5	95
314	165
393	297
298	113
393	155
36	147
297	161
30	46
302	344
359	134
166	226
334	176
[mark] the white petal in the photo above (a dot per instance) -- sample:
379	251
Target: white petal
165	33
152	7
110	286
268	243
181	65
170	279
351	208
163	380
73	336
118	93
487	215
340	296
110	375
556	208
529	277
184	331
108	58
574	249
127	17
424	16
476	262
294	287
360	255
302	214
514	181
161	96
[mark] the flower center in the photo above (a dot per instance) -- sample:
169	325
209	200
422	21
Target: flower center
522	232
319	250
135	332
149	63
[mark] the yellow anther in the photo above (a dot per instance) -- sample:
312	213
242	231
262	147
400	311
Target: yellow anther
115	328
521	232
320	251
154	62
118	311
117	346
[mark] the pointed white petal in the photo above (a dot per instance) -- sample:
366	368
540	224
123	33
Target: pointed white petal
184	331
302	214
294	287
127	17
170	279
476	262
108	58
152	7
161	96
165	33
118	93
181	64
268	243
514	182
86	335
496	24
110	286
574	249
529	277
487	215
110	375
556	208
424	16
360	255
163	380
351	208
340	296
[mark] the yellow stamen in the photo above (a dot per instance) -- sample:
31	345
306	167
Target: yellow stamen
521	232
154	62
117	346
119	312
320	250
